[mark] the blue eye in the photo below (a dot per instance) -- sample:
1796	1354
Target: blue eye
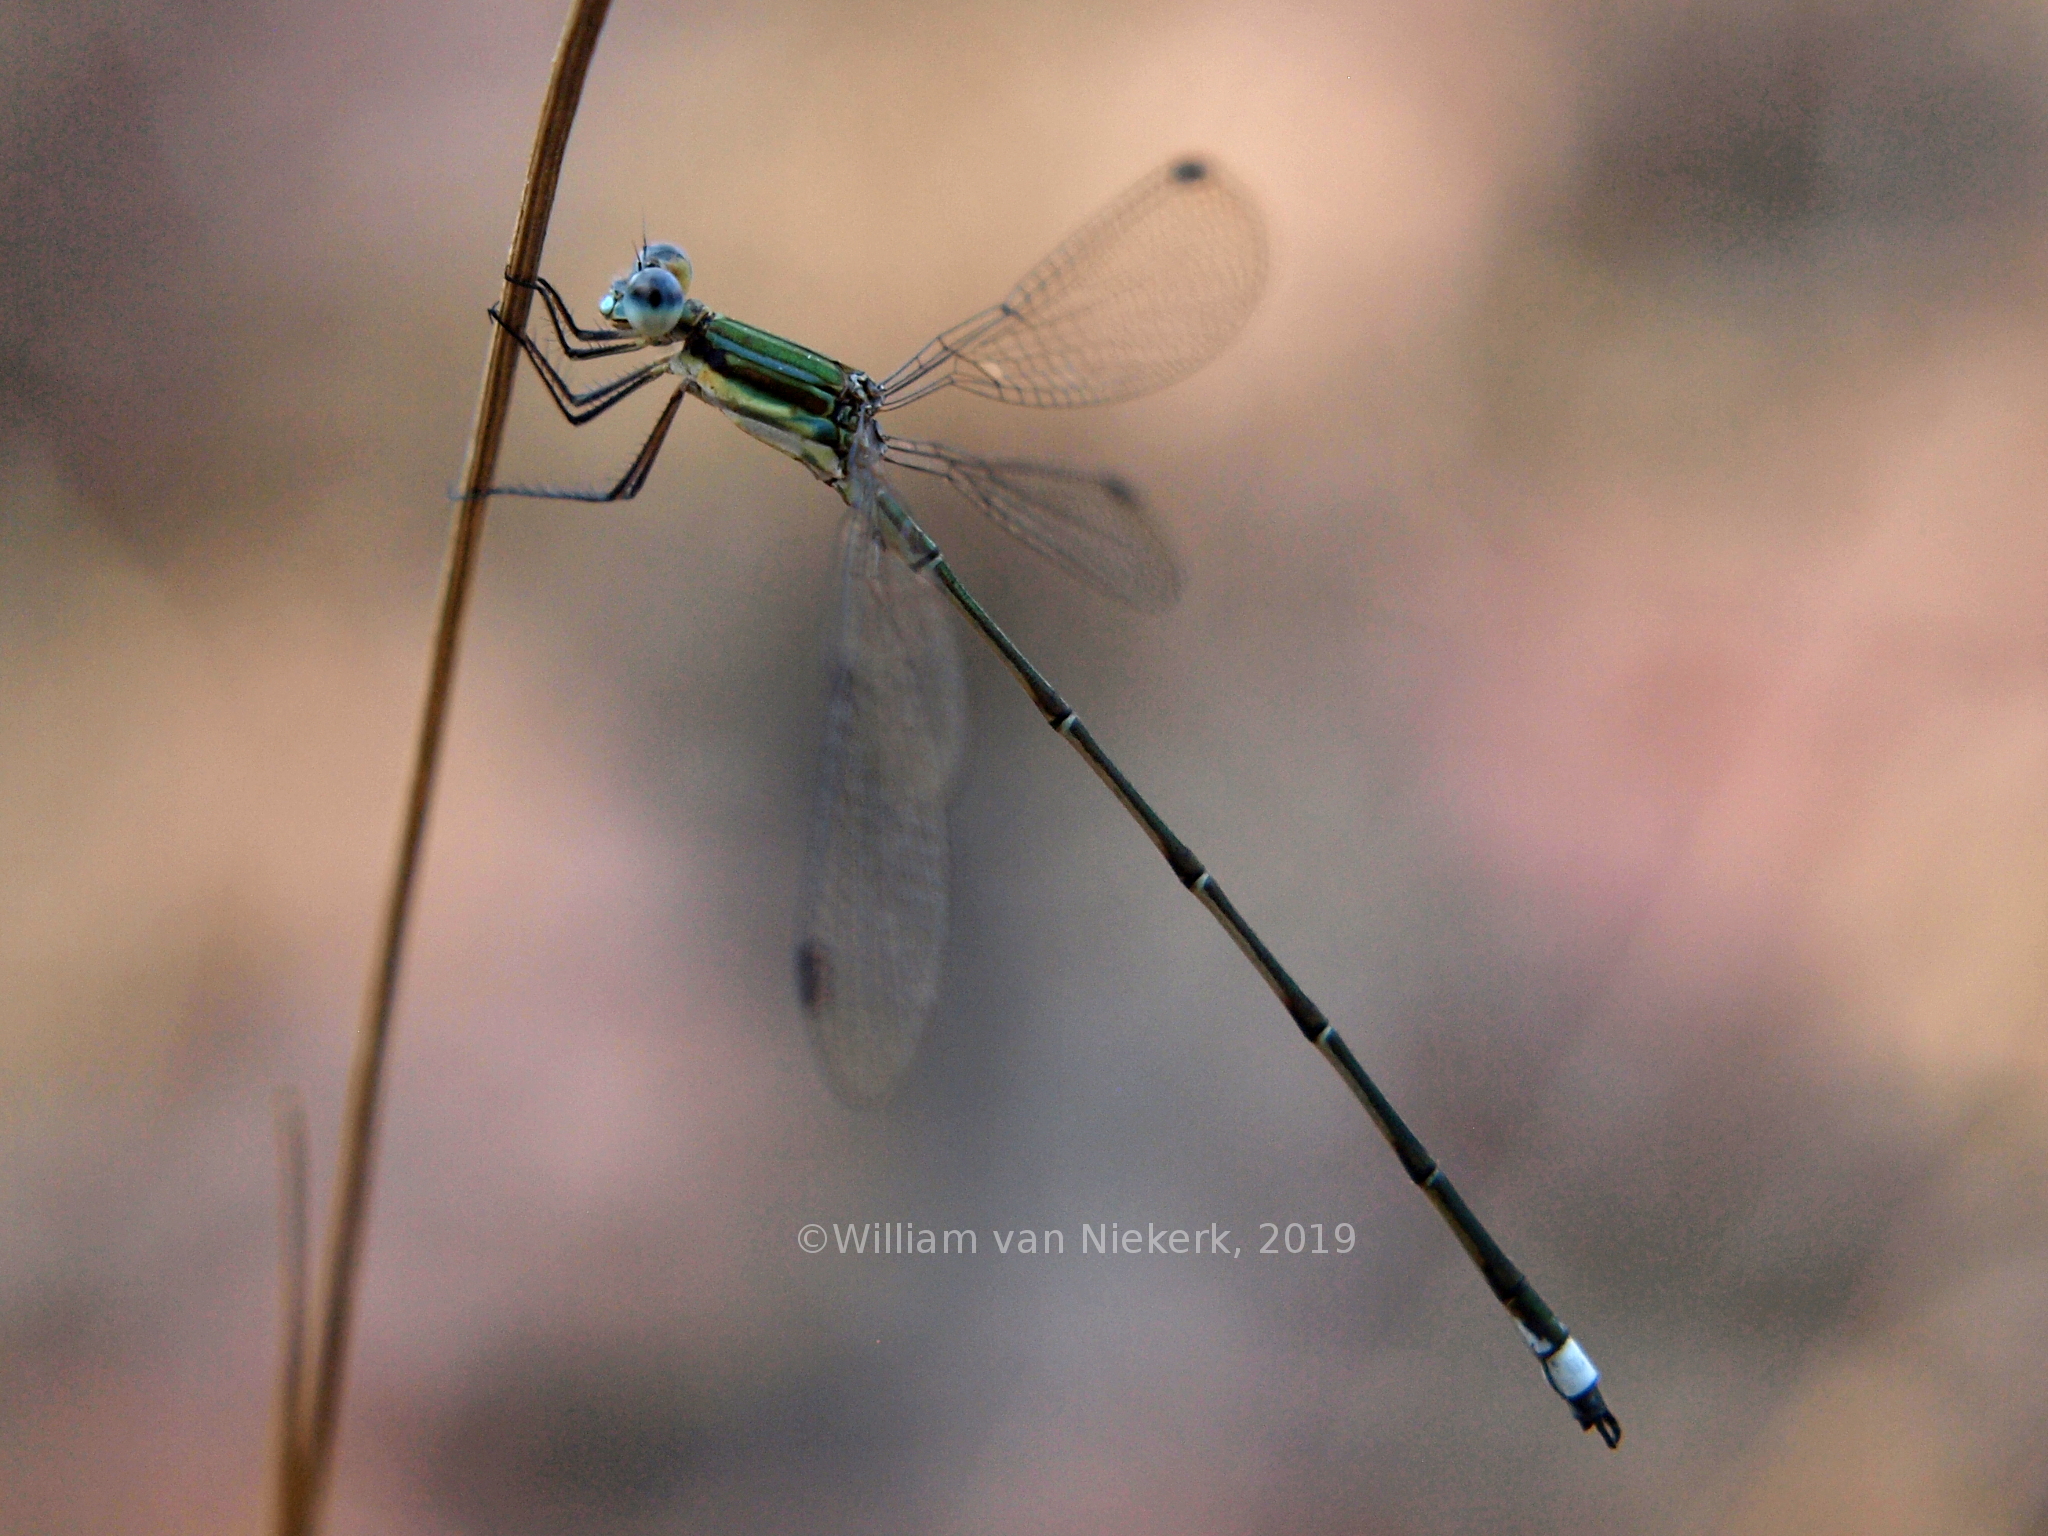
651	302
657	288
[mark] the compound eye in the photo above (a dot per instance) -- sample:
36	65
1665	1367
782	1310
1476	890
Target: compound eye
672	259
656	286
650	301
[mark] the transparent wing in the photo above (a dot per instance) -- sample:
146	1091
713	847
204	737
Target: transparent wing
1143	294
1092	526
873	925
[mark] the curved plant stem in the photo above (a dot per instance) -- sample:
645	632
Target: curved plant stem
306	1444
289	1111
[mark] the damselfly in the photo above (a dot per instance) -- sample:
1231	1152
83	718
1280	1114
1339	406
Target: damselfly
1142	295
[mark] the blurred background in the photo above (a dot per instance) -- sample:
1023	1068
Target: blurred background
1613	674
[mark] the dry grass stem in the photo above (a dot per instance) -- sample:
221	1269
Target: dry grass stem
310	1403
290	1111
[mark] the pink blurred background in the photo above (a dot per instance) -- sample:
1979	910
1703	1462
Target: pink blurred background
1614	675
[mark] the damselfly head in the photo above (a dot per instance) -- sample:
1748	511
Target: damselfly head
650	298
671	257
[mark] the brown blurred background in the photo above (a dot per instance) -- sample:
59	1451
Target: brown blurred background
1614	674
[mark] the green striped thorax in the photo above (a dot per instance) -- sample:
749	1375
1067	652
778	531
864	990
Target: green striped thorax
795	400
799	402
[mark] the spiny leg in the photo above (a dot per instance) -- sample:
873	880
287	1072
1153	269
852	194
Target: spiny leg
643	461
577	408
629	483
558	310
610	342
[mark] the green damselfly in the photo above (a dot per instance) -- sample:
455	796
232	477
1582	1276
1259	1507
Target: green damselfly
1142	295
